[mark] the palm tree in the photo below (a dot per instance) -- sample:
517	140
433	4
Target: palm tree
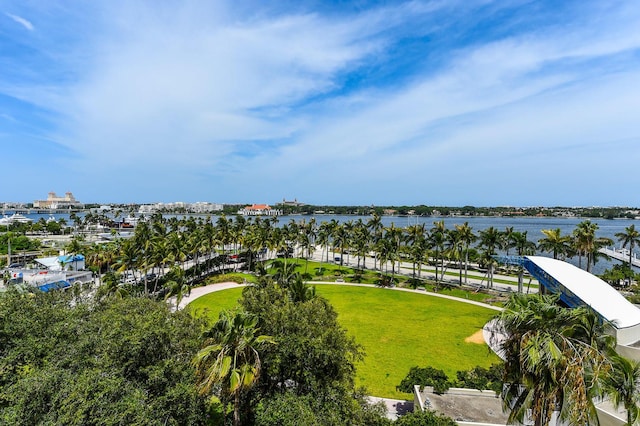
507	240
324	237
490	241
375	225
361	242
555	359
587	244
230	358
623	384
523	247
74	248
299	291
466	237
437	239
630	237
340	239
556	243
177	285
416	245
394	236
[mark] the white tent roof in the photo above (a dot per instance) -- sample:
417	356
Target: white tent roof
593	291
50	263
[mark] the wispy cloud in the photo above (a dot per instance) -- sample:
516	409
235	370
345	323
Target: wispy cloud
22	21
449	99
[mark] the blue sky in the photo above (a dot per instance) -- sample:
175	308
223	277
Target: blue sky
438	102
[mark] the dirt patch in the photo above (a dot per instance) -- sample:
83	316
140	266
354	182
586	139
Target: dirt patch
476	337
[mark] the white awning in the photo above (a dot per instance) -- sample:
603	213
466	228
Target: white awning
593	291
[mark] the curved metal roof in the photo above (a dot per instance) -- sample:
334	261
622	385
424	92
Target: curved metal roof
593	291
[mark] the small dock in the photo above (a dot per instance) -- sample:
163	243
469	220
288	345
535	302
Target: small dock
621	255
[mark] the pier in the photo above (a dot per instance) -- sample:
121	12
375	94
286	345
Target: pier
10	211
621	254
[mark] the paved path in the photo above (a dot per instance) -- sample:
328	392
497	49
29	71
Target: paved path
201	291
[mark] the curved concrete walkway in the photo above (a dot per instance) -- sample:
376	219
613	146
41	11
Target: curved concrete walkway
201	291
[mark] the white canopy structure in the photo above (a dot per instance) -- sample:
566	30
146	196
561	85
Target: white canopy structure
592	291
577	287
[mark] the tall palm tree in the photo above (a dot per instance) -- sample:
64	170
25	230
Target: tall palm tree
555	358
230	357
394	237
630	237
361	241
490	241
587	244
375	226
623	385
177	285
556	243
416	245
523	247
466	238
324	237
437	240
507	239
340	239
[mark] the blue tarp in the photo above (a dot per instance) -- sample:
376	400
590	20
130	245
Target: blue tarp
54	286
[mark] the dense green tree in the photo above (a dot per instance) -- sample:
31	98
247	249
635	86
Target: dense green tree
121	361
425	376
291	409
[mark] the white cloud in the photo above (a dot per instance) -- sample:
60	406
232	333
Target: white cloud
263	99
20	20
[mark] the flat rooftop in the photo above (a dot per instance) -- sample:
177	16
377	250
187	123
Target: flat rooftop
466	405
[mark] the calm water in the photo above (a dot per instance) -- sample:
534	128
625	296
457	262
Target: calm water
532	225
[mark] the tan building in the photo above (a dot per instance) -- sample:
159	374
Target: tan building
259	210
55	202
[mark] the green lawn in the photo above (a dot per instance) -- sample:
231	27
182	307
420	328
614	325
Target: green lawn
397	330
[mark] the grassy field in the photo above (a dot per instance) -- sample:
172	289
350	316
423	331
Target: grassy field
397	329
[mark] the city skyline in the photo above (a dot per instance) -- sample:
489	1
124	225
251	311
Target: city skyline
438	103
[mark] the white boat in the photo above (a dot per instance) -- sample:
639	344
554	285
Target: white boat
17	217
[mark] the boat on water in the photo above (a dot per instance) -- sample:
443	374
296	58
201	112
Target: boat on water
15	218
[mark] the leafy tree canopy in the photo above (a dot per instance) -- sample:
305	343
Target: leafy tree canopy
122	362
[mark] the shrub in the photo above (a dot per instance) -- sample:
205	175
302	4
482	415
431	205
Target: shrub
427	376
481	378
424	418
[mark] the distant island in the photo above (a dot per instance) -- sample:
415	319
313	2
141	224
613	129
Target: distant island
298	208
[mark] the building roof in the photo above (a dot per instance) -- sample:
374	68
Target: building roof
258	207
54	262
593	291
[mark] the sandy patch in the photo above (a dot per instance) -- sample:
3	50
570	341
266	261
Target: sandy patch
476	338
